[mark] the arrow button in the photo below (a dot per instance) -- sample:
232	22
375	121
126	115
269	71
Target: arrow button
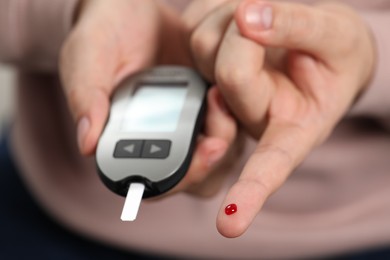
156	149
128	149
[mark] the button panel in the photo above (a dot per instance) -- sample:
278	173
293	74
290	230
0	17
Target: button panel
147	149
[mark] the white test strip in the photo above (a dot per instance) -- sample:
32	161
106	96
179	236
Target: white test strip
133	201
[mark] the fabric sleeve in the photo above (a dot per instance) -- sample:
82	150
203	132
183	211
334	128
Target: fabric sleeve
375	102
32	31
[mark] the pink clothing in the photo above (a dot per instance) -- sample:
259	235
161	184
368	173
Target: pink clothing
338	200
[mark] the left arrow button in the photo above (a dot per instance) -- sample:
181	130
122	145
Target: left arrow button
128	149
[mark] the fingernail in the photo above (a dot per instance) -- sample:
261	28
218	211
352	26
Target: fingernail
82	130
215	156
259	16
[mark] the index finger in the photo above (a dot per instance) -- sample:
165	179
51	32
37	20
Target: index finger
282	147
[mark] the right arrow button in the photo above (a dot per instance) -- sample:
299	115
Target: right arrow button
156	149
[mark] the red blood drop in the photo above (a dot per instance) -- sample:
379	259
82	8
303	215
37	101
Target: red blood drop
231	209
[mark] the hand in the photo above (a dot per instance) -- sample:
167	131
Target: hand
112	40
288	72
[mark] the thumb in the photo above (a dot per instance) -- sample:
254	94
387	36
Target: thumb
294	26
88	80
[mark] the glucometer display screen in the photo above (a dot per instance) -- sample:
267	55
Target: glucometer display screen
154	109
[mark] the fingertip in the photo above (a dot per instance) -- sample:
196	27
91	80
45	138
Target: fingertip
254	17
219	100
231	226
248	199
87	140
213	96
91	125
83	128
88	145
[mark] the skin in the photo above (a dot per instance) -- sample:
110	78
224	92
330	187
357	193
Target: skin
109	42
287	82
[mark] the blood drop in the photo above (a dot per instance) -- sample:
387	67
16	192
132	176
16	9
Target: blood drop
231	209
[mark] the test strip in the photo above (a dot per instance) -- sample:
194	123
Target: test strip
133	201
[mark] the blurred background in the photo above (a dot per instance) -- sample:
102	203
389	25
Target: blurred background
6	96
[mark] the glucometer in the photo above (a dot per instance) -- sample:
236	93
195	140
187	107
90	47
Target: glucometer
147	144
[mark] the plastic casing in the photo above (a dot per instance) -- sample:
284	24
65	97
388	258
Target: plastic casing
158	175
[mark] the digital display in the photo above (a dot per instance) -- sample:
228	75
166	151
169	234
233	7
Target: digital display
154	109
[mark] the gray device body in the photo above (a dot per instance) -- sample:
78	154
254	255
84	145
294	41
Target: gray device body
154	150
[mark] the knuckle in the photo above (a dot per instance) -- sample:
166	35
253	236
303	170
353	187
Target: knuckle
257	183
203	43
298	26
204	47
342	24
231	78
276	153
342	32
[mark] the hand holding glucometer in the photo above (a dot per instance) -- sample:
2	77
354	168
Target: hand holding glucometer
147	144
